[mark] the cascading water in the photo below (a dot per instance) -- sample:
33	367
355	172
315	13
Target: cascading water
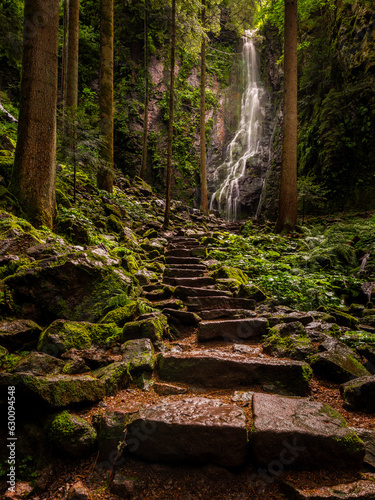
246	142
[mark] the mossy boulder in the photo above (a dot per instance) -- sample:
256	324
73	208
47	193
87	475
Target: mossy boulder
359	394
63	335
130	264
62	199
54	390
129	312
72	434
153	327
337	366
251	292
289	340
3	352
232	273
39	364
115	377
74	287
344	319
139	355
114	224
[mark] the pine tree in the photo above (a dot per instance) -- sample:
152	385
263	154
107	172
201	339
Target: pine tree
34	173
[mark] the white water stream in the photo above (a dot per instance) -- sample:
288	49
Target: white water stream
245	143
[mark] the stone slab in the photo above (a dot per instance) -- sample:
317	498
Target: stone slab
232	329
197	430
206	303
302	434
358	490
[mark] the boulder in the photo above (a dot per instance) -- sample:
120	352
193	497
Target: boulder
39	363
54	390
195	429
359	394
178	317
63	335
124	486
72	434
358	490
20	334
302	434
139	355
368	437
115	377
289	340
94	357
153	328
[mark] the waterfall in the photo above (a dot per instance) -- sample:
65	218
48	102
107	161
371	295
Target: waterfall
246	141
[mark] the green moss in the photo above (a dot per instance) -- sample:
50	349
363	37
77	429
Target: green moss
153	328
344	319
226	272
307	372
114	224
350	442
61	426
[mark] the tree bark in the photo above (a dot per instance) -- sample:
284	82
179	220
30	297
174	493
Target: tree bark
147	96
171	117
204	199
287	218
106	173
72	62
64	58
34	172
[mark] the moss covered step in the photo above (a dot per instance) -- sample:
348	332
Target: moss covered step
190	282
182	260
222	369
302	434
205	303
183	273
232	329
183	292
197	430
54	390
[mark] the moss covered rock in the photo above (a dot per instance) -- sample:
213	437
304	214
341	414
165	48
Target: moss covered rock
154	328
72	434
115	377
359	394
19	334
232	273
129	312
63	335
139	355
289	340
39	364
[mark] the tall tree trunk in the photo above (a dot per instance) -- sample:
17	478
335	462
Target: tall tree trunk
204	200
72	63
171	117
147	95
63	65
287	218
34	172
106	173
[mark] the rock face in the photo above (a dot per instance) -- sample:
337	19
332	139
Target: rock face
302	434
193	429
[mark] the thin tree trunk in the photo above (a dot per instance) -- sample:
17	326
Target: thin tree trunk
204	200
106	174
64	58
171	116
72	62
34	172
287	218
147	96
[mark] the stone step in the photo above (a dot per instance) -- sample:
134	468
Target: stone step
183	273
182	260
190	282
233	329
179	252
302	434
215	368
204	303
363	489
197	430
183	292
197	267
213	314
179	317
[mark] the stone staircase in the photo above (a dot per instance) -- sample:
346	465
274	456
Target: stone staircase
260	412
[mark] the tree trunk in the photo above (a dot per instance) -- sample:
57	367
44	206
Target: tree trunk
204	200
287	218
72	62
171	116
34	172
147	96
106	174
64	58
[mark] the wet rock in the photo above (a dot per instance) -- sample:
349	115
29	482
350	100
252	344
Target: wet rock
54	390
39	364
168	389
19	334
72	434
78	491
176	316
190	282
196	304
139	355
368	437
94	357
218	369
358	490
292	317
232	329
183	273
213	314
183	292
154	328
76	367
359	394
302	434
193	429
289	340
63	335
114	377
